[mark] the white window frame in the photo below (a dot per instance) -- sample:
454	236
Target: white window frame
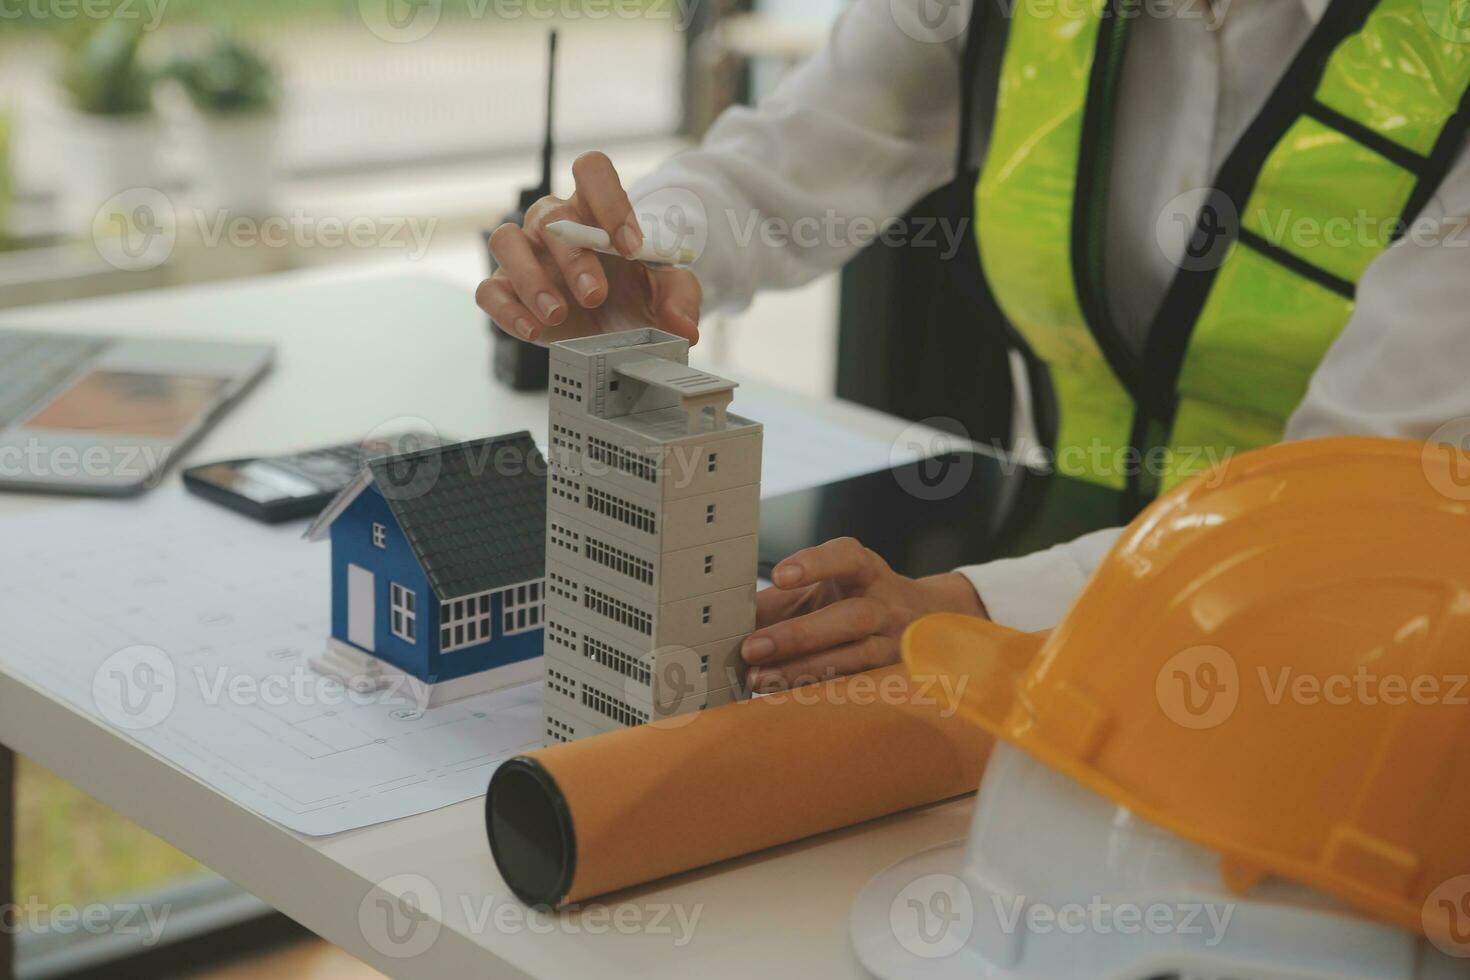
403	617
524	597
471	614
380	535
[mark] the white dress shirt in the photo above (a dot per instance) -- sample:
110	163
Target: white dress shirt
869	125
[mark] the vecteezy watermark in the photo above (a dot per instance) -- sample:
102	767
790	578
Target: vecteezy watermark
300	686
139	921
1446	917
150	12
136	229
933	917
1198	688
139	229
674	920
674	223
411	471
407	21
1364	686
1201	687
838	231
1101	916
40	460
402	916
1446	459
1195	229
940	21
139	687
924	462
401	21
931	21
936	915
919	690
1450	19
1111	461
671	686
136	687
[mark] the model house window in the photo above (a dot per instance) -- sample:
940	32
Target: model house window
405	613
380	536
520	608
464	622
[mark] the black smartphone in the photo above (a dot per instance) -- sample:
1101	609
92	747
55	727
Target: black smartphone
287	488
940	513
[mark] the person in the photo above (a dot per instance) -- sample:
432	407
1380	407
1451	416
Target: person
1215	226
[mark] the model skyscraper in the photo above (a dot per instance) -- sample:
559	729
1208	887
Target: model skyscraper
652	510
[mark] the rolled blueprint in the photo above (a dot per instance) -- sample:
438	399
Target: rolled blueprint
578	820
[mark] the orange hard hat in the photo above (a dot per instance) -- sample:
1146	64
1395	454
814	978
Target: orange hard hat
1271	662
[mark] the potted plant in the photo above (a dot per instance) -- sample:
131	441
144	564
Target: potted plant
109	135
235	94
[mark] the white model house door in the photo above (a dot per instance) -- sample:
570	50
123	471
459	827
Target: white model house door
361	615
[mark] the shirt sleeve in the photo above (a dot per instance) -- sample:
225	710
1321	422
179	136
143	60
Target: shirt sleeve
1398	367
1033	592
777	195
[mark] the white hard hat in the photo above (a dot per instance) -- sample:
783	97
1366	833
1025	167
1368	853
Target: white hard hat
1059	883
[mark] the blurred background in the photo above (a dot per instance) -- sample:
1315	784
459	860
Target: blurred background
416	115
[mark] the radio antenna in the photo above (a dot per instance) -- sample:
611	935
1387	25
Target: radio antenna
548	145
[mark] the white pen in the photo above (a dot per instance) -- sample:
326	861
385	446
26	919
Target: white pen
585	236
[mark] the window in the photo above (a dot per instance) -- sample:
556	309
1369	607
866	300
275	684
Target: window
615	558
709	564
612	658
405	612
617	610
620	510
713	458
464	622
706	614
709	514
380	535
633	461
520	608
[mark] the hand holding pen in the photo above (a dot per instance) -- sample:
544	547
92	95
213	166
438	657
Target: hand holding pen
594	274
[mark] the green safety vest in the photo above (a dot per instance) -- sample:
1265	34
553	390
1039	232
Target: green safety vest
1361	129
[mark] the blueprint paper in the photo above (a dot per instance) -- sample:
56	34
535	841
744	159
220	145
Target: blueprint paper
186	627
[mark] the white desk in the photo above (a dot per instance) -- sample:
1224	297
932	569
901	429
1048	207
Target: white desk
355	353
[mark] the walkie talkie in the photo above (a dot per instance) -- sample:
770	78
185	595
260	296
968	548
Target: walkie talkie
522	365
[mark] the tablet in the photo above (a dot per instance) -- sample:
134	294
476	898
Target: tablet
940	513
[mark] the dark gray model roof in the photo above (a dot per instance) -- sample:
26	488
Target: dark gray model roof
474	513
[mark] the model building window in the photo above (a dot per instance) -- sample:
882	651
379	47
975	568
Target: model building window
380	536
464	622
713	461
709	514
520	608
709	564
404	606
706	614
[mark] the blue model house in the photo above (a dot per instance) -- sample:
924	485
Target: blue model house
438	569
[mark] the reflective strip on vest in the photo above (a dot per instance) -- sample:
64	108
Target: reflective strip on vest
1325	199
